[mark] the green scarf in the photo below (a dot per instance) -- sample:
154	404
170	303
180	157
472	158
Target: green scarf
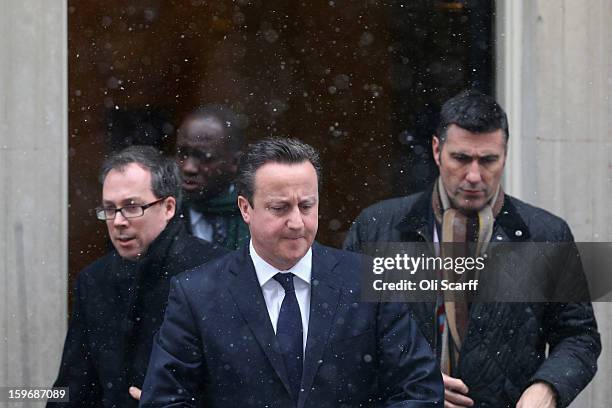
225	205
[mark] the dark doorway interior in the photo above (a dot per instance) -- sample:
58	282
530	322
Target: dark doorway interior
361	81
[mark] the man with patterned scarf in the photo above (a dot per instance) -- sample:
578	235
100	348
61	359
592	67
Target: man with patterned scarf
491	354
208	147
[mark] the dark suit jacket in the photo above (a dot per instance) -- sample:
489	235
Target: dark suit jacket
217	347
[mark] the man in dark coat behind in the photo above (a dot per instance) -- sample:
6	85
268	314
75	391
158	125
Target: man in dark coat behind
120	299
495	356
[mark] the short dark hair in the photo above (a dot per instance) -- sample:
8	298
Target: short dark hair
472	111
272	150
165	174
234	134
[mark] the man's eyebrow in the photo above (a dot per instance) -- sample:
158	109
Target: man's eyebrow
276	200
283	199
460	155
126	201
485	154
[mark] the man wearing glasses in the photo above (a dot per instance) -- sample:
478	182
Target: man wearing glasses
119	300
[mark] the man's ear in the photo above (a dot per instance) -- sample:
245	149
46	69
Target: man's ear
169	207
245	208
436	148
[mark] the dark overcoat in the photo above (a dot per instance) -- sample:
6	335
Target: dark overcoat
118	306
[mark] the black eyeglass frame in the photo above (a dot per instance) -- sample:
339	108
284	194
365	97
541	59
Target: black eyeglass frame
101	211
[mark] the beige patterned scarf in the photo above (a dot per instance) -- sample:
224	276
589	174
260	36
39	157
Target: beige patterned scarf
475	230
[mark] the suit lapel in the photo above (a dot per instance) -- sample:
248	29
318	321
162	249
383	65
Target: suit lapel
247	294
324	299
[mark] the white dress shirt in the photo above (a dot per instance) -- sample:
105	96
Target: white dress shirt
274	293
200	227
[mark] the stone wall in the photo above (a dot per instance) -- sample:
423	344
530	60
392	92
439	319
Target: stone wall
33	190
554	76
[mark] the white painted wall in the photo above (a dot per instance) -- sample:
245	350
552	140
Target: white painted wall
33	190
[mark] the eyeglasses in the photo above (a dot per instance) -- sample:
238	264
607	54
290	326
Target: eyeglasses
129	211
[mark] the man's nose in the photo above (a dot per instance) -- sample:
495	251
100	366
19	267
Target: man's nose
189	165
120	220
295	220
473	175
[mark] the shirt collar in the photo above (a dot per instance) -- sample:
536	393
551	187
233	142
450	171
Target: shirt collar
265	271
194	216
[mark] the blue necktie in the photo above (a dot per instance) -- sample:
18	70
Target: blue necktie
289	333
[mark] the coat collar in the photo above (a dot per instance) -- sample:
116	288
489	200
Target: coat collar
324	299
247	295
418	224
153	264
158	249
509	225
